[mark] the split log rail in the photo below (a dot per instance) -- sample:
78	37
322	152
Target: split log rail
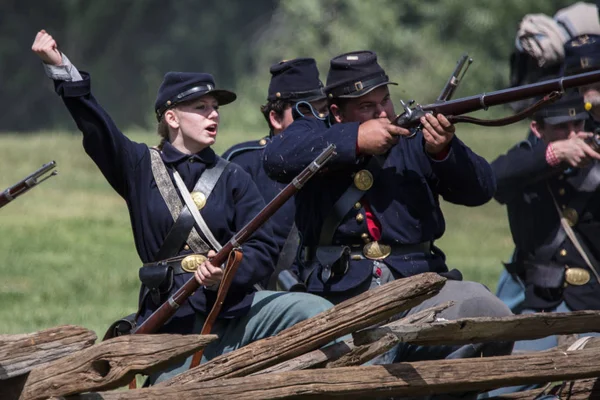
325	356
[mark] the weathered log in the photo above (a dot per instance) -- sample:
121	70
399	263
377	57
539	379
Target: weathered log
327	356
109	364
361	354
402	379
482	329
359	312
582	389
21	353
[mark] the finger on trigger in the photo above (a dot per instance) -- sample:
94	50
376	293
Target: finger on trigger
591	152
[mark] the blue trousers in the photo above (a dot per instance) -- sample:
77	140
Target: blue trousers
270	313
511	291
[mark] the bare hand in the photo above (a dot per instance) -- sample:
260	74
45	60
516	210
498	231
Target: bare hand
46	48
437	132
207	274
574	150
377	136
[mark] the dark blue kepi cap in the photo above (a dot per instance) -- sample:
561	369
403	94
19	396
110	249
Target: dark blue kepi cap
355	74
569	107
178	87
295	80
582	54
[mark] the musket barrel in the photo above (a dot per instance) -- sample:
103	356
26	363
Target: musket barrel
504	96
27	183
483	101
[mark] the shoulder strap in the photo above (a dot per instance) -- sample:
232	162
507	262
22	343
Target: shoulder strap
582	249
204	185
210	177
586	185
344	204
169	195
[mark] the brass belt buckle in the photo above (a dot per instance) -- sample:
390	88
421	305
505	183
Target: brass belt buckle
191	262
376	251
577	276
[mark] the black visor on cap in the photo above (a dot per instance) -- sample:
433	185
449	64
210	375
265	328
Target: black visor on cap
569	107
178	87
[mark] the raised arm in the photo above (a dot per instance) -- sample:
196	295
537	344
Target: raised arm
115	155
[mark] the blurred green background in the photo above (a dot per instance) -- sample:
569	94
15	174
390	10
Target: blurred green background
66	250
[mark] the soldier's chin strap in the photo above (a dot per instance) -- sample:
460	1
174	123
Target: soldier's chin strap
297	113
549	98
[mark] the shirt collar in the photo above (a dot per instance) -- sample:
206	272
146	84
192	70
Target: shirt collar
171	155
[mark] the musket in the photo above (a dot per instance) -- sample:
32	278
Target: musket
455	78
26	184
454	109
169	307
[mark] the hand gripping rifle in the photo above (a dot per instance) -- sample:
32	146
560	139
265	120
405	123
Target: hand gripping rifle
26	184
168	308
552	90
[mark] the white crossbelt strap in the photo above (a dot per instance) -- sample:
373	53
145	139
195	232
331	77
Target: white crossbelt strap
189	202
573	237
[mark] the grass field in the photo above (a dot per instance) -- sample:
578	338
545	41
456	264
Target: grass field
67	252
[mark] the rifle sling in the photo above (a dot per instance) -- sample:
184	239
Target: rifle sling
507	120
233	262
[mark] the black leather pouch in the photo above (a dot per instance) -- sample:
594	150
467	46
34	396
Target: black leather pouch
121	327
333	260
158	279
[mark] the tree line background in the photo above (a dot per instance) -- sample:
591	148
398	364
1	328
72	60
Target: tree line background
128	45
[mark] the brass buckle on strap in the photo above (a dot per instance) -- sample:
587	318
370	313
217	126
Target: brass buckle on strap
577	276
191	262
376	251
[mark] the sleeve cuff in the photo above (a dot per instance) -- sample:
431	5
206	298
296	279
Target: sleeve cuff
551	158
65	72
441	156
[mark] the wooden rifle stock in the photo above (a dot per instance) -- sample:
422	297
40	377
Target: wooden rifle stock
168	308
26	184
411	117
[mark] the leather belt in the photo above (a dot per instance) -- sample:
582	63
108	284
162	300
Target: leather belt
375	250
179	265
549	275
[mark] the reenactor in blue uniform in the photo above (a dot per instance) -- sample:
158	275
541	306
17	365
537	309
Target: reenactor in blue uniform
539	55
295	90
374	215
187	110
550	185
